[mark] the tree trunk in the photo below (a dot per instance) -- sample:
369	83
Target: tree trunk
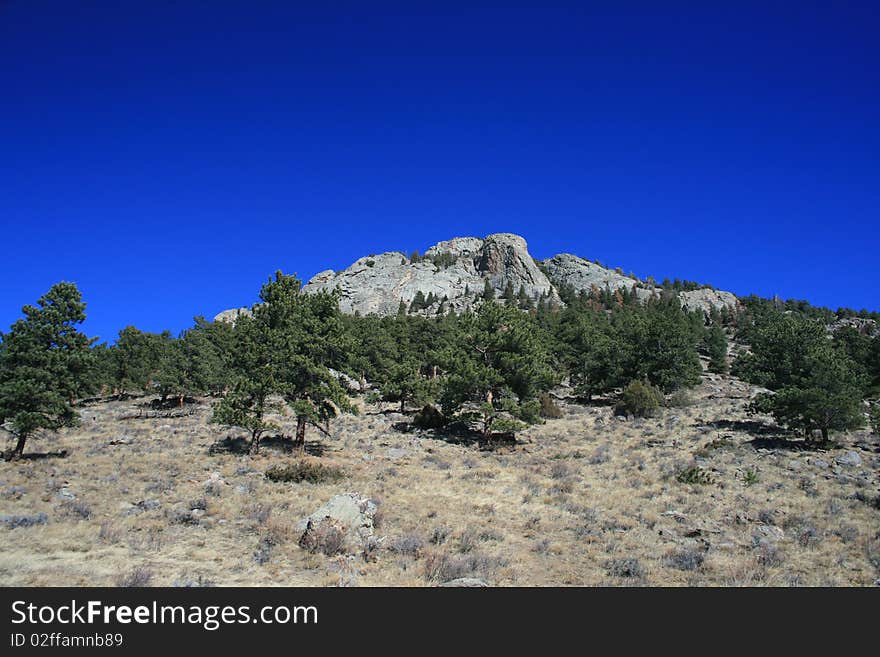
180	400
19	446
824	434
255	443
301	433
401	406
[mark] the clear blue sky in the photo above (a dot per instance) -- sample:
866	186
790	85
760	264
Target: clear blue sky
168	156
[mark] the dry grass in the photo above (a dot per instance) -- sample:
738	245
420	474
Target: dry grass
584	499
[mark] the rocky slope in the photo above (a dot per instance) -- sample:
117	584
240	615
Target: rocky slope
455	272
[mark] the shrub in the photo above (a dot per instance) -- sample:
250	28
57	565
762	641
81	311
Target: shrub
629	568
638	399
14	521
304	471
679	399
441	567
408	544
686	559
429	418
549	408
137	578
694	475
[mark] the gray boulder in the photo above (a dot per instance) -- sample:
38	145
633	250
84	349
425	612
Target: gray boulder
348	516
851	459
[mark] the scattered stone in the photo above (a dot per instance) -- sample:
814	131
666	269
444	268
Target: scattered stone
66	494
850	459
470	582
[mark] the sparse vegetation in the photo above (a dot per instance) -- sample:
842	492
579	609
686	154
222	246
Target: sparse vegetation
310	472
581	497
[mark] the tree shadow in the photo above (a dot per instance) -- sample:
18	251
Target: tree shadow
279	443
36	456
751	427
168	403
460	433
771	436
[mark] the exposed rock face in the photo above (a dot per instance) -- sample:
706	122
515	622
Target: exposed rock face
581	274
350	516
231	315
861	324
377	284
706	299
456	271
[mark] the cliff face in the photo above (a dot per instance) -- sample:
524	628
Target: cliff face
454	273
455	270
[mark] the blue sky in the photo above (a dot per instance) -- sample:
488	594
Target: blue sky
168	156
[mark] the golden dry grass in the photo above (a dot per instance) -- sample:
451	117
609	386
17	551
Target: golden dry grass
586	499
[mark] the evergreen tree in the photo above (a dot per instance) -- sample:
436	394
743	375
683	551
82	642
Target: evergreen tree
419	302
496	368
826	396
286	349
488	291
45	365
715	343
508	294
406	384
136	359
814	383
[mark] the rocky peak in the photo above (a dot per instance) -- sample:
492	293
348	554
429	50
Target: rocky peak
453	274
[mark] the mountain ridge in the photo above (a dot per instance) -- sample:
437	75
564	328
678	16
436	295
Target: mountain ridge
454	274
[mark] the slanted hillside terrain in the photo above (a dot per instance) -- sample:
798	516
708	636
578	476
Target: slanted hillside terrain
701	494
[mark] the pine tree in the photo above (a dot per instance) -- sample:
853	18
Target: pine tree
488	291
826	396
406	384
508	294
45	365
418	303
496	368
286	349
715	343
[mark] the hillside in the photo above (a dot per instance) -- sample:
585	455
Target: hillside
155	497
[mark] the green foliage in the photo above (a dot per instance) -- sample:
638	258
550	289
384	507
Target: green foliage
715	346
285	350
419	302
488	291
695	476
137	357
45	365
814	383
496	365
310	472
604	349
750	477
639	399
407	384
